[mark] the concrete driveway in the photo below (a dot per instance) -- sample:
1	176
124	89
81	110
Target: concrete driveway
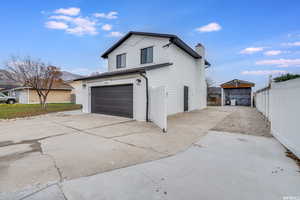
220	166
64	146
229	166
62	156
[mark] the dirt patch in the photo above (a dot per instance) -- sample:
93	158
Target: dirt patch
35	146
6	143
16	156
290	154
244	120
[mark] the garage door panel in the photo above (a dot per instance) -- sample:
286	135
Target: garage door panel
241	95
120	101
113	100
114	103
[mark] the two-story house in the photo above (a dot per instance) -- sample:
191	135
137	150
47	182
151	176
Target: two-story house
137	64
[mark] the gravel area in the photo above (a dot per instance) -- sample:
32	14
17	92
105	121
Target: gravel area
244	120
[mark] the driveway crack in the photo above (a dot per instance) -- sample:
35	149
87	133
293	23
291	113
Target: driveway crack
141	147
55	164
105	125
29	195
62	191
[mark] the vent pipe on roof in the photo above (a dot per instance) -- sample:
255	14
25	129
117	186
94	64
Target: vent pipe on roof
199	48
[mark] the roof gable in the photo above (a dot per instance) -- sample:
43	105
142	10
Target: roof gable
173	39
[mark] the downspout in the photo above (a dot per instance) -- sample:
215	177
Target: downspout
147	96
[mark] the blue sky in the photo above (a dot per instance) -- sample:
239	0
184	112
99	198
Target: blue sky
244	39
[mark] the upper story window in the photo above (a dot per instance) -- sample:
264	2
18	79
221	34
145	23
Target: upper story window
121	60
147	55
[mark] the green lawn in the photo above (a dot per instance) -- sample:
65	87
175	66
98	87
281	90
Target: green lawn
8	111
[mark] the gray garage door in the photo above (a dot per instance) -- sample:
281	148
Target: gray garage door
113	100
241	95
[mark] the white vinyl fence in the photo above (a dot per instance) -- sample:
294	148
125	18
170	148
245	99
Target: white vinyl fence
158	107
281	105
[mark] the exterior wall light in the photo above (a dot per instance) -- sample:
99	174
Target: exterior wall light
138	81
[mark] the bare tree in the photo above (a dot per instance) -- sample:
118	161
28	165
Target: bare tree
33	73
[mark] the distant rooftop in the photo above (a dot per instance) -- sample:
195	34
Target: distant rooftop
236	83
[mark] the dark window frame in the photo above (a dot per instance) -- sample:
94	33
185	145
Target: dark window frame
141	55
119	64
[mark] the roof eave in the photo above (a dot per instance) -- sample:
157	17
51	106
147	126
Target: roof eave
136	70
182	45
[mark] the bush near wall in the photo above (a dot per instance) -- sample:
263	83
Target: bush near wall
286	77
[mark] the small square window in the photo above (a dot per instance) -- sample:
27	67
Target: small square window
147	55
121	60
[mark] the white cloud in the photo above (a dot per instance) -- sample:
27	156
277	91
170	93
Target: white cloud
110	15
251	50
273	52
115	34
61	17
209	27
68	11
280	62
76	25
263	72
106	27
56	25
291	44
67	19
83	26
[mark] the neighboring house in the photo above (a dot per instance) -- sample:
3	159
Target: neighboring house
7	85
214	96
60	93
150	75
237	92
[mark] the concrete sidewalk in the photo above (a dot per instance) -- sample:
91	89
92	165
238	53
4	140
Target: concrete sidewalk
220	166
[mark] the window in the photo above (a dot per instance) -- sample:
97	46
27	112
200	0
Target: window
121	60
147	55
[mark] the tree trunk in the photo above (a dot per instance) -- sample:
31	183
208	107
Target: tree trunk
44	100
41	100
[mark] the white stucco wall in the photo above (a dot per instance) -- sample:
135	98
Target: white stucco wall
132	47
139	93
185	71
281	105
